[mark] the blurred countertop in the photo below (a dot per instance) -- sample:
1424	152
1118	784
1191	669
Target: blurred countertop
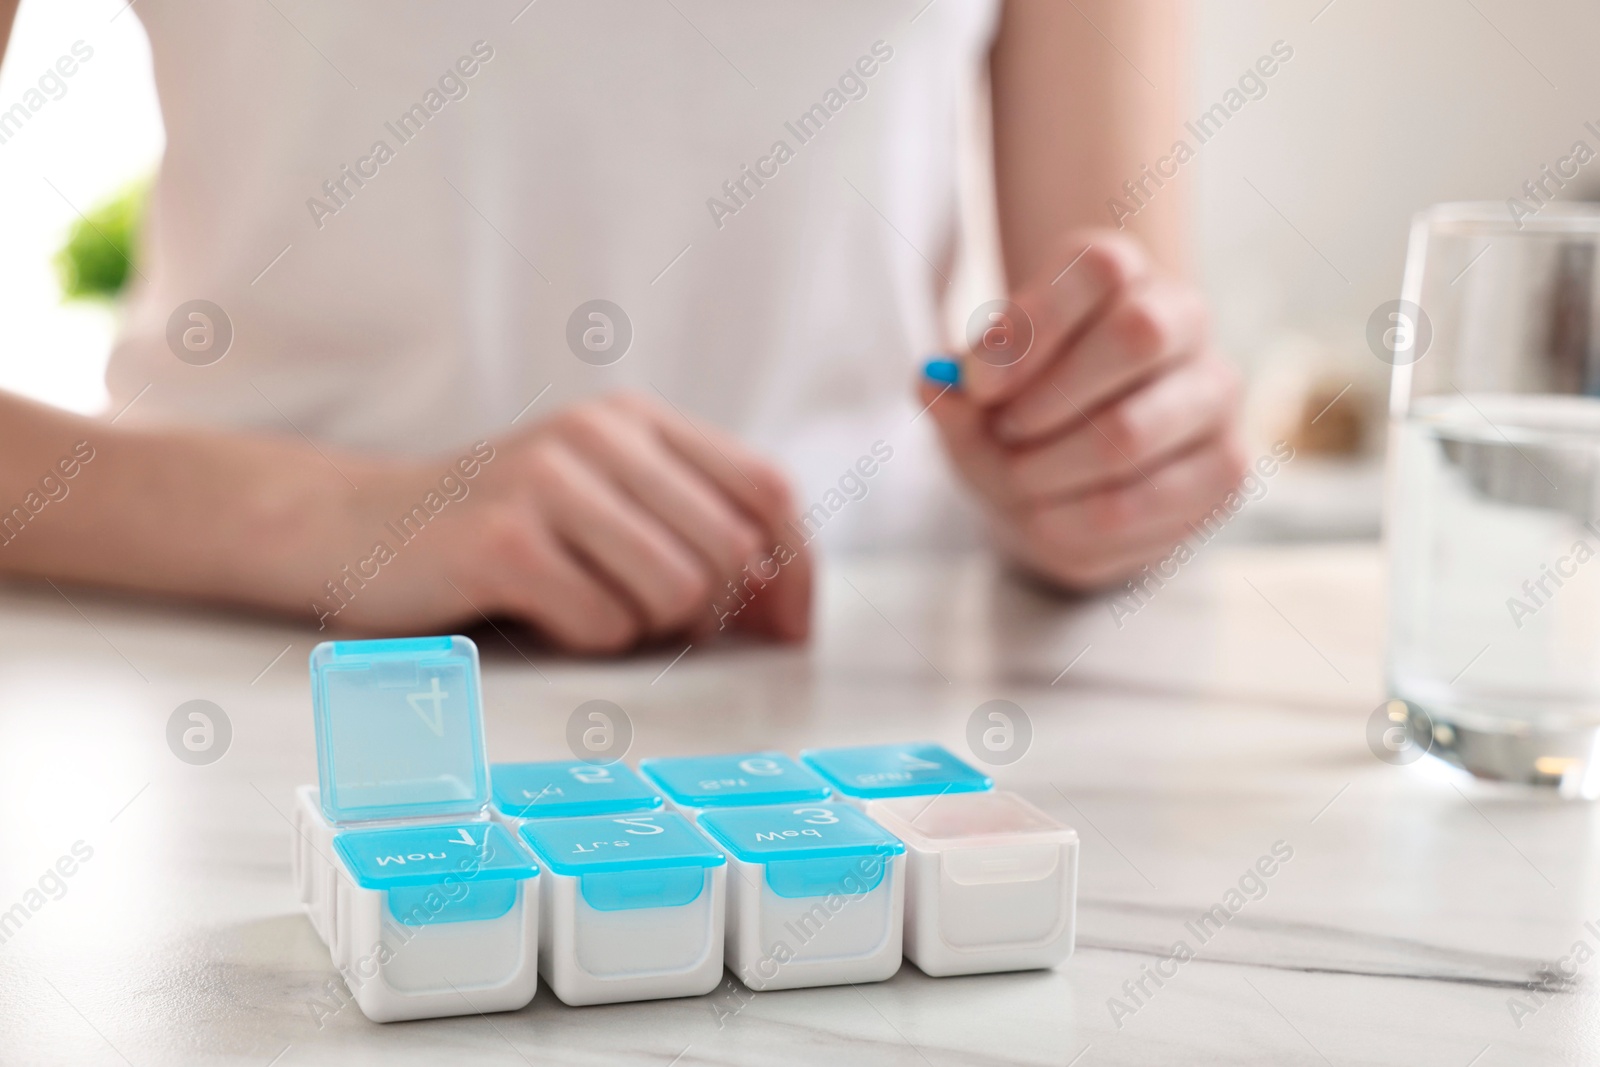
1224	719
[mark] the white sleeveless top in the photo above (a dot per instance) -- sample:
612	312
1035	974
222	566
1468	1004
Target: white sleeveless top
400	207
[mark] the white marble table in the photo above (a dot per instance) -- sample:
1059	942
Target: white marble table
1226	716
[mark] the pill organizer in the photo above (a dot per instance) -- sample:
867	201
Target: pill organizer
428	908
633	907
816	895
991	881
564	788
443	886
694	784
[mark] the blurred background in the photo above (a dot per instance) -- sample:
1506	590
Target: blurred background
1301	201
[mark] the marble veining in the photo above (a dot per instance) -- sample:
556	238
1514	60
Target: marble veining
1313	948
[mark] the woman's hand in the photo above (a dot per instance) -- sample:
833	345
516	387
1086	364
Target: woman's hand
614	522
1116	429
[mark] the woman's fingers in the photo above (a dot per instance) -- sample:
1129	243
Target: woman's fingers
1132	435
743	477
773	597
1111	563
536	578
1147	329
674	492
628	547
964	427
1184	492
1096	268
771	592
632	523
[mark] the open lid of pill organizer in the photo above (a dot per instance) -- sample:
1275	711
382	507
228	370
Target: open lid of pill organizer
872	771
741	778
808	851
564	788
399	728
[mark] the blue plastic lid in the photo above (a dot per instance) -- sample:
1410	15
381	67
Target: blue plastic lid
425	855
873	771
461	872
399	728
626	861
564	788
809	851
737	779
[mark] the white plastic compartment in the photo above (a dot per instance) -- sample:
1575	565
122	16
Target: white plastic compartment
816	895
633	907
991	881
311	861
435	920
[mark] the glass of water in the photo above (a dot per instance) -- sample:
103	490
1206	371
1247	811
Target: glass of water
1493	516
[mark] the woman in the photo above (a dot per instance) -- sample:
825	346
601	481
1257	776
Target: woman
534	310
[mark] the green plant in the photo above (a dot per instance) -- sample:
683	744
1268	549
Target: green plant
103	246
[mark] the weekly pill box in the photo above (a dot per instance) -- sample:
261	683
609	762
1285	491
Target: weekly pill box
816	895
633	907
695	784
558	789
400	750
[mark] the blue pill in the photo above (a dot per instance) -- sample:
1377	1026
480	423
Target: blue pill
942	369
